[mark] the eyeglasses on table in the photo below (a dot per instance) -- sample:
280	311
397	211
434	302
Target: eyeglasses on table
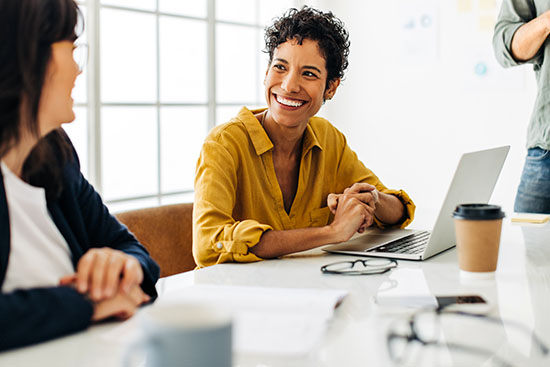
413	335
360	266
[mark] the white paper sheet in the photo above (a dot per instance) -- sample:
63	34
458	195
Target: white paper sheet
278	321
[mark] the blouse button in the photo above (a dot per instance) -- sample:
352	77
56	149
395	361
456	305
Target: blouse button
219	245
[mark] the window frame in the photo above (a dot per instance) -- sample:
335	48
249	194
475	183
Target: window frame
94	103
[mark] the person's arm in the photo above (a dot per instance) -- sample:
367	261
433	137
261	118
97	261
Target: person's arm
530	37
217	236
35	315
111	253
388	209
519	33
106	231
350	215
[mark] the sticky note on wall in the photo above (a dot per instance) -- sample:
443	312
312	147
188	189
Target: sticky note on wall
464	6
486	23
487	4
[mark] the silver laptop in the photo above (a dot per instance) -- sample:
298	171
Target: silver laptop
473	182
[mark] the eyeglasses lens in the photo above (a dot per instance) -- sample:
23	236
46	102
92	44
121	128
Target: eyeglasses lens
80	55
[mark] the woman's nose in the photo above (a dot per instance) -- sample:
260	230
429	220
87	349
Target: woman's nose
291	83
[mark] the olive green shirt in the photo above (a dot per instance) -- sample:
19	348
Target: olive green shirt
514	14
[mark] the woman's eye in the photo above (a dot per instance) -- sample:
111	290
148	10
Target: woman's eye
279	67
310	74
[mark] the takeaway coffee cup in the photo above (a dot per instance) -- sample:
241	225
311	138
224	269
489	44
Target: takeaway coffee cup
197	335
477	228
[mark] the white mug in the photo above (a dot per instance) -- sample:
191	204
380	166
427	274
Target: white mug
184	334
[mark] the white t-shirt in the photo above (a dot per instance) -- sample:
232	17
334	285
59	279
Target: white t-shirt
39	255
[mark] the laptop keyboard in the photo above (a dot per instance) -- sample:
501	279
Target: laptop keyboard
412	244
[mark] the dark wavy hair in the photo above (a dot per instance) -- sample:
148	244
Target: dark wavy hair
312	24
28	28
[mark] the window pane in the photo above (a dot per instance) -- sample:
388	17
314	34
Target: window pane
136	4
79	94
226	113
177	199
78	133
272	9
183	130
183	60
123	206
129	152
195	8
128	57
236	59
263	64
242	11
79	91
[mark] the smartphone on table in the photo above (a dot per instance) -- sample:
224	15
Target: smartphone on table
472	303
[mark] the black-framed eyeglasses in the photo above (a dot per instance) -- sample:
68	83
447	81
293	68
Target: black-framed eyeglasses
425	329
360	267
80	55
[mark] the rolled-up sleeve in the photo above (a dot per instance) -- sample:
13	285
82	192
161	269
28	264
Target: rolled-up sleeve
217	236
513	14
408	215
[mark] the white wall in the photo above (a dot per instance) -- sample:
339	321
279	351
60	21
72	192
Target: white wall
410	116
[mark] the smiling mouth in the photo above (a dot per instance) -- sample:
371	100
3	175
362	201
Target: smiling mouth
289	102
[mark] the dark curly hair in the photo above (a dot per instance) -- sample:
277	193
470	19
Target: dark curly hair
312	24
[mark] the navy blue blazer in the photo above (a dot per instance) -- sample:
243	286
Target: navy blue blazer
34	315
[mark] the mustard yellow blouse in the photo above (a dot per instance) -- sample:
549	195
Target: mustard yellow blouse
238	198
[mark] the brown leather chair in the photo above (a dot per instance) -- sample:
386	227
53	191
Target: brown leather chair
166	232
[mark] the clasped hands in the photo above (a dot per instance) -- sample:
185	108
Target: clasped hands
353	209
111	279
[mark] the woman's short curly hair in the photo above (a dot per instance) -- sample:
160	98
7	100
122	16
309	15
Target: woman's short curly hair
315	25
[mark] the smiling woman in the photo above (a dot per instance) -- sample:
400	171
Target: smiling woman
279	180
91	268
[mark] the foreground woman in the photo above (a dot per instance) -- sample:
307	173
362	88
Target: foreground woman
279	180
64	260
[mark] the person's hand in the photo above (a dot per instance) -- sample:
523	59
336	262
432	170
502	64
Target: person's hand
102	272
365	192
122	305
352	215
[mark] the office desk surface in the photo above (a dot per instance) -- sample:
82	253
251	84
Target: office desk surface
356	336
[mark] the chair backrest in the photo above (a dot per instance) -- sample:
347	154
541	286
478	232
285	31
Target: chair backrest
167	233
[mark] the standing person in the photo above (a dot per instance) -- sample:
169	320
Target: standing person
65	262
279	180
521	36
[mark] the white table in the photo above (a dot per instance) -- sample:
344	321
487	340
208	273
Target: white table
356	335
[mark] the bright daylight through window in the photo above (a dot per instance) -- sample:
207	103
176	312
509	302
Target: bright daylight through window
160	75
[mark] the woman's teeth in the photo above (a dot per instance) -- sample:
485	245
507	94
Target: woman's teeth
288	102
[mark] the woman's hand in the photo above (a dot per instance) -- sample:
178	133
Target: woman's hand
365	192
103	272
352	215
122	305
